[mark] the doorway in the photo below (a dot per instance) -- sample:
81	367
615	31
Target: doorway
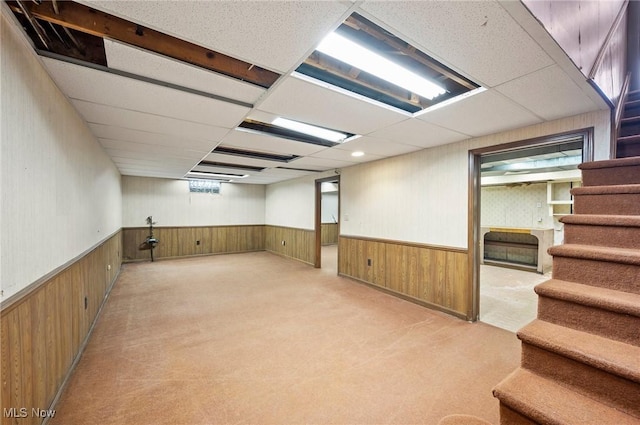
327	223
518	194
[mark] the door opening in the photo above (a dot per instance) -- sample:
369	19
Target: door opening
327	222
518	192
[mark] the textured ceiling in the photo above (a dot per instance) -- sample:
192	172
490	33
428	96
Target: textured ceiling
160	117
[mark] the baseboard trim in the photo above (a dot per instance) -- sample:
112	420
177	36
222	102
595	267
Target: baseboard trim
209	254
78	356
279	254
405	297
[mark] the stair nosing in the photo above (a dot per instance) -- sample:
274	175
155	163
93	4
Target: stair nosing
630	119
520	399
590	296
610	163
607	189
597	253
631	138
602	220
598	355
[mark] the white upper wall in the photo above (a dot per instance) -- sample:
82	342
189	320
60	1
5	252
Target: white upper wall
419	197
330	207
422	197
60	191
171	204
292	203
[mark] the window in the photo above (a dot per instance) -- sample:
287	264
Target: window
204	186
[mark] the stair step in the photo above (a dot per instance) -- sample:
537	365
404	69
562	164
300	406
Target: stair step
547	402
620	231
605	267
611	199
584	363
614	357
611	172
592	296
632	119
628	151
635	138
632	103
633	93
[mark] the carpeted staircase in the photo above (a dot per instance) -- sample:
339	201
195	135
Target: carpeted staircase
629	138
581	356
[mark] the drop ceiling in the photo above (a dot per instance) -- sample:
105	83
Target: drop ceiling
160	117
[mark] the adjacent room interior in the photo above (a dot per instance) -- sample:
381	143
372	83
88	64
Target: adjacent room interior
524	193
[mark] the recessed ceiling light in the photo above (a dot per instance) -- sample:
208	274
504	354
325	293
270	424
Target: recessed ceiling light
311	130
357	153
347	51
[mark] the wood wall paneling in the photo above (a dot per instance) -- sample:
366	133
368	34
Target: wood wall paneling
329	233
437	276
44	330
298	244
183	241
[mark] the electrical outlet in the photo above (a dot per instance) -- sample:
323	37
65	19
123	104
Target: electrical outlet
197	242
108	266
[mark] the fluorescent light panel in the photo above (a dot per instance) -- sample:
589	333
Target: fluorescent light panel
311	130
347	51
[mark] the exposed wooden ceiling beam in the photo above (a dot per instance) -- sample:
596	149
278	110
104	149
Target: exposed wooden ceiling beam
85	19
407	50
402	95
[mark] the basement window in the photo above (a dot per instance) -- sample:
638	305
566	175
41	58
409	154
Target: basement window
204	186
361	57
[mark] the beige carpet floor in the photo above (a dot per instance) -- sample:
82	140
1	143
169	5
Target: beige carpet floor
259	339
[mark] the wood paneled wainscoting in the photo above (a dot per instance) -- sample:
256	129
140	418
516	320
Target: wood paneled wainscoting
329	233
433	276
188	241
295	243
45	327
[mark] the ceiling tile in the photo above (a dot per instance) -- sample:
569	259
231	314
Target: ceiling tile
139	62
320	104
272	34
418	133
549	93
481	114
336	153
152	140
320	164
377	147
478	38
95	113
272	144
92	85
147	173
153	157
141	151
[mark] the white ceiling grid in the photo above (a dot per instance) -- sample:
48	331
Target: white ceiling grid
157	131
